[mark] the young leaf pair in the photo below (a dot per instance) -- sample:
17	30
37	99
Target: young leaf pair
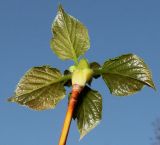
43	87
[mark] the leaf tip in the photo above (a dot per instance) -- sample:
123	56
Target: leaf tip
154	87
60	7
11	99
82	135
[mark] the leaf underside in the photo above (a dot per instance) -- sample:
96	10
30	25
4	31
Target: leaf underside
40	88
94	66
89	111
70	38
126	75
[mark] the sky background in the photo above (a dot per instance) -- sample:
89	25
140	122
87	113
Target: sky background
116	27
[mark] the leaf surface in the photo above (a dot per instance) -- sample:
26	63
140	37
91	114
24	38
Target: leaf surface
126	75
70	38
40	88
95	66
89	111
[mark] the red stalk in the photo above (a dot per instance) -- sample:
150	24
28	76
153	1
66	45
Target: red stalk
76	89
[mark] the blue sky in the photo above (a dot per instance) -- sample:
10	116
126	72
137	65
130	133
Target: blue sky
115	27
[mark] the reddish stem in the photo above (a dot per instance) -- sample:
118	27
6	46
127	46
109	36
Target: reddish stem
76	89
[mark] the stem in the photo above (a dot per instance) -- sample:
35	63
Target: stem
76	89
75	60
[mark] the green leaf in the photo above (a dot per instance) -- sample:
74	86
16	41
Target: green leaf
40	88
68	83
70	36
95	66
89	111
126	75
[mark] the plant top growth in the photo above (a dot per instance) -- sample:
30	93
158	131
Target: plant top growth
43	87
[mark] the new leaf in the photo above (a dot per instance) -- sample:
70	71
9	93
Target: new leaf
70	38
89	111
126	75
40	88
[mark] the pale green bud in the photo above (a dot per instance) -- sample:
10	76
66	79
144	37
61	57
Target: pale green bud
83	63
72	68
87	74
82	74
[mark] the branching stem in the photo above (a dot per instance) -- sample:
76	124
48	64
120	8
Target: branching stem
76	89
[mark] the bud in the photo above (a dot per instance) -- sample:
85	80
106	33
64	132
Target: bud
72	68
83	63
82	74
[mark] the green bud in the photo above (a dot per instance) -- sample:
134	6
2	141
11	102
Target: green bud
72	68
83	63
82	74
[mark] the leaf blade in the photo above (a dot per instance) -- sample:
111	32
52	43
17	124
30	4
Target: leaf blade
40	88
71	37
89	111
95	66
126	75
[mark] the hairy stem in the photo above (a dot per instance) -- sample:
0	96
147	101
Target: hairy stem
76	89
